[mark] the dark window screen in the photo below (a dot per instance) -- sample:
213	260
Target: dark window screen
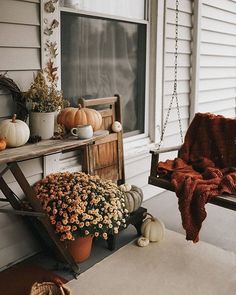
103	57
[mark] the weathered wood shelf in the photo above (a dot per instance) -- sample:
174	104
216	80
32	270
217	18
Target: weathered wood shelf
102	154
46	147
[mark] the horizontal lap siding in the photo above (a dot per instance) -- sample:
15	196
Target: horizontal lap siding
137	171
12	252
20	57
20	12
19	35
17	242
184	68
217	73
19	45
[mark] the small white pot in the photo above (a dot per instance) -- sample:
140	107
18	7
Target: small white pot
42	124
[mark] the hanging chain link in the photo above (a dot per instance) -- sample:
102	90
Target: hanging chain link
175	93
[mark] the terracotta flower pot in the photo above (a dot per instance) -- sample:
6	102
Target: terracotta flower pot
80	249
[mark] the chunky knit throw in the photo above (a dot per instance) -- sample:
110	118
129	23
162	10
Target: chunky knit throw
205	168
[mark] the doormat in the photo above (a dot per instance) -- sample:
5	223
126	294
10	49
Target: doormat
18	280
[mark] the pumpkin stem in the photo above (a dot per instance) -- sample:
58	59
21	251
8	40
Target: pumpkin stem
79	106
14	118
150	215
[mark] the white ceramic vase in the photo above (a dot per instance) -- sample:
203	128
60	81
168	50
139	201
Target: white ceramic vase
42	124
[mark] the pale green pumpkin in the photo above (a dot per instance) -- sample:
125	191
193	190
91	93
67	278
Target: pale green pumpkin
133	198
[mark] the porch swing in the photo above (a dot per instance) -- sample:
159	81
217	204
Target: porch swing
205	168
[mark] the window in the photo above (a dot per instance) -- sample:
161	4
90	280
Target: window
134	9
101	57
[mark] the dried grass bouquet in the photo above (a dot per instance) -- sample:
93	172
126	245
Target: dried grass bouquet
43	94
79	204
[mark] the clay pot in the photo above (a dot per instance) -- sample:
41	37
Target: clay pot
80	248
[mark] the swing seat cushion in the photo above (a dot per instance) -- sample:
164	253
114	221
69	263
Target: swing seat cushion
205	168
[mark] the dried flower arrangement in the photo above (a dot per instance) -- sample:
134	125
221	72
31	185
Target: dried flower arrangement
43	93
79	204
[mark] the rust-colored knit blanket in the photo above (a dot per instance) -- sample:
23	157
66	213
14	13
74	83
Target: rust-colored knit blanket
205	168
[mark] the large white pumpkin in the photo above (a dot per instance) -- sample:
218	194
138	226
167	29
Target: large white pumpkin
15	131
153	229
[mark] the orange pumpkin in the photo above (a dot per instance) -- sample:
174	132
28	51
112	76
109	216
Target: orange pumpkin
3	143
71	117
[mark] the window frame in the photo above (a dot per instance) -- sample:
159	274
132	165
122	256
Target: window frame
142	138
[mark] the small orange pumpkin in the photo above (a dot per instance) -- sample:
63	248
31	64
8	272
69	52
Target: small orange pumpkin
3	144
71	117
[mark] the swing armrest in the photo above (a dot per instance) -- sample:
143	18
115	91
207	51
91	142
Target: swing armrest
165	150
155	159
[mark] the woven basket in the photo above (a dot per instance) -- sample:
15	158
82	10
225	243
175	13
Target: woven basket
49	288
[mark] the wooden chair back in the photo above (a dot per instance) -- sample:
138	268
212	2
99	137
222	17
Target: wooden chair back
107	153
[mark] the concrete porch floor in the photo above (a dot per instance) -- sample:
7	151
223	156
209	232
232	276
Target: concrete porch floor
218	229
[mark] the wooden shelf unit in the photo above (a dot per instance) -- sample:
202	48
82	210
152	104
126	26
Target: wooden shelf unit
11	158
100	142
102	155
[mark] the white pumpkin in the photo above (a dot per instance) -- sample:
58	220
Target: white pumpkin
116	126
153	229
142	242
125	187
16	132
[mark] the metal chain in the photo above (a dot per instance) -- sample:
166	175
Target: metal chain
174	94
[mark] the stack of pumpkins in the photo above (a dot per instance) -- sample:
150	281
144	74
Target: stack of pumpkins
133	196
152	229
13	133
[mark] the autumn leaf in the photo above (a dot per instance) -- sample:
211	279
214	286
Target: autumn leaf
51	72
51	49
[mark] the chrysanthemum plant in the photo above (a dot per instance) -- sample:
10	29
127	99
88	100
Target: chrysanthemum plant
79	204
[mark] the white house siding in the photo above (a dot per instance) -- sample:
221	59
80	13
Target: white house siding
16	240
172	136
19	45
217	73
20	55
